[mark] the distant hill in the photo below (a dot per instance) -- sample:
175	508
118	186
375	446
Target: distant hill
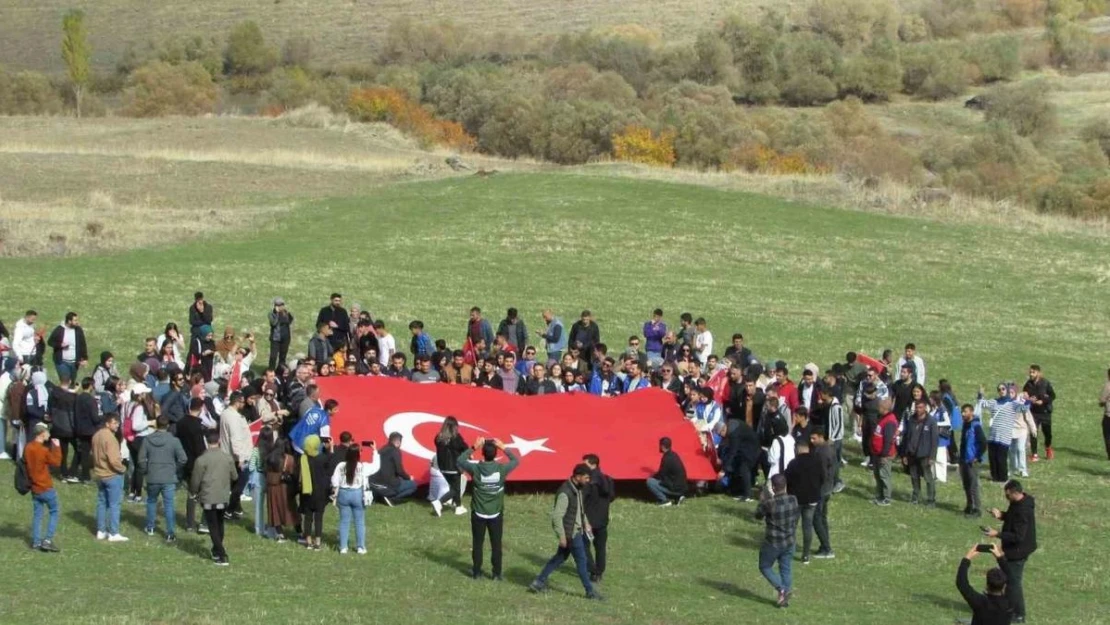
341	30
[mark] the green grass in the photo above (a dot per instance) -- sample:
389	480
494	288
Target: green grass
803	283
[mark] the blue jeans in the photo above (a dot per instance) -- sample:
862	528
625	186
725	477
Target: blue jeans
44	501
351	506
404	489
768	555
576	547
260	528
109	496
67	370
167	491
655	359
661	493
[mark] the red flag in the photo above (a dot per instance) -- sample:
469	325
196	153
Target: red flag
550	433
868	361
470	355
719	383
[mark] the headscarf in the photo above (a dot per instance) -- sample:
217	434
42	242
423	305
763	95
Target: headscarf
204	330
225	346
311	450
38	380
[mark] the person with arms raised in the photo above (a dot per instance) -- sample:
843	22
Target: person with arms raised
487	500
992	608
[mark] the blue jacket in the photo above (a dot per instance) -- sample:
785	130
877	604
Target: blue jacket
555	336
311	423
626	384
615	385
422	345
653	337
973	443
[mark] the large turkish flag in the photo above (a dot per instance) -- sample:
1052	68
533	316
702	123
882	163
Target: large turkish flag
551	433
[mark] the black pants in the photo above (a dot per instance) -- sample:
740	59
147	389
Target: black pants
279	351
1106	435
969	476
998	454
134	447
235	504
82	459
65	442
454	485
595	551
214	518
1014	591
821	523
312	521
478	529
740	481
1044	422
190	512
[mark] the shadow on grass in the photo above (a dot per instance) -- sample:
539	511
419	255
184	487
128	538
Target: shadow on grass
84	519
1078	468
944	603
1089	455
451	560
728	588
11	530
745	541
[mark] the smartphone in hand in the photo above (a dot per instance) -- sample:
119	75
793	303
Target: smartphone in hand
984	548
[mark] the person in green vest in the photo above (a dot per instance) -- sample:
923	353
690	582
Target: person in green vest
487	503
568	519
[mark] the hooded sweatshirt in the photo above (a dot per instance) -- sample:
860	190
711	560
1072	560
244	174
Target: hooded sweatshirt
162	458
38	398
63	412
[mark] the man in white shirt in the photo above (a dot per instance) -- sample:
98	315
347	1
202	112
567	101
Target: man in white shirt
70	350
23	337
236	440
387	345
703	340
910	356
781	452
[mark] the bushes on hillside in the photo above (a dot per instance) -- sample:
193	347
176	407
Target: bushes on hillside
638	144
247	52
853	24
1025	107
28	93
995	58
158	89
933	71
383	104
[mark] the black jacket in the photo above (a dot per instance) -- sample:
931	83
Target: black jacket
63	412
175	404
517	333
672	473
589	337
600	493
392	471
741	446
1019	529
57	337
985	609
532	386
87	417
198	318
447	454
1041	389
804	478
341	318
191	434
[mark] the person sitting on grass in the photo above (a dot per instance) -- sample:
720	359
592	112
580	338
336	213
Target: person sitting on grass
669	482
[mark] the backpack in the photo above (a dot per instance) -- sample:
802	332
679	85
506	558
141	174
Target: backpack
127	426
22	477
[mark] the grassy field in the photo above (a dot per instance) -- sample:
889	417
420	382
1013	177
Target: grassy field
802	282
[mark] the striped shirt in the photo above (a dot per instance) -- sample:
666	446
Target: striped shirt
836	421
1003	416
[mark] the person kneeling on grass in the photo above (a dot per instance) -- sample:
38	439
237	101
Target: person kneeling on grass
670	481
568	518
213	474
780	512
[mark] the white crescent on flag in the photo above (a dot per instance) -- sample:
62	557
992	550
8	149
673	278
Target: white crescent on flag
405	422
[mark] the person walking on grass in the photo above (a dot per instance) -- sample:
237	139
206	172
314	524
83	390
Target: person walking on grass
973	444
41	454
162	460
1041	397
780	512
805	480
1019	541
108	471
487	500
572	528
213	475
600	493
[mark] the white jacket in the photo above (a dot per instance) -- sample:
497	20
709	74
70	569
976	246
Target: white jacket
780	454
235	435
23	339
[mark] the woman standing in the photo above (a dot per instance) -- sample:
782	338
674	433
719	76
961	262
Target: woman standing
281	321
202	352
172	335
278	466
168	359
315	486
449	444
349	482
139	417
944	435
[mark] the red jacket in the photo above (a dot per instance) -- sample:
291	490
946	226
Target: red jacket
883	437
39	459
788	391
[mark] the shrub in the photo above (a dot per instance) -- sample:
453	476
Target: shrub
852	24
411	41
509	126
913	29
638	144
577	132
713	61
297	52
383	104
997	58
1025	107
807	63
1071	44
631	58
873	75
28	93
953	19
753	48
290	88
1097	131
933	71
1021	13
157	89
999	163
582	82
247	52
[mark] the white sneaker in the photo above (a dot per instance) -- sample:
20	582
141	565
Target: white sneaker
461	510
102	535
343	551
438	507
245	498
117	538
361	551
4	456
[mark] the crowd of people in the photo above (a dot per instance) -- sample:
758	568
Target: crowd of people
180	413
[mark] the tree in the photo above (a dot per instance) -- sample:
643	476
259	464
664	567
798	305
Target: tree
247	52
76	53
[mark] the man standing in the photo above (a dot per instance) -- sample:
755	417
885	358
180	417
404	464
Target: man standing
200	315
235	439
883	448
512	327
902	390
703	341
739	355
740	459
40	454
910	357
1104	401
834	432
190	431
669	482
654	331
391	482
554	336
421	343
487	500
830	467
804	480
281	321
70	350
1041	396
213	475
973	444
586	332
919	451
780	512
387	345
1019	541
161	459
458	372
320	346
568	519
23	338
108	470
478	329
335	317
599	494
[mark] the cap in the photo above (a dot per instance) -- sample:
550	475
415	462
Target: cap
278	301
140	388
812	368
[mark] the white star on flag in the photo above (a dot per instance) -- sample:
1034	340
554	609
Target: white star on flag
525	446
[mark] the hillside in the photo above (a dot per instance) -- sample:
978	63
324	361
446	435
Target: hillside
343	30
